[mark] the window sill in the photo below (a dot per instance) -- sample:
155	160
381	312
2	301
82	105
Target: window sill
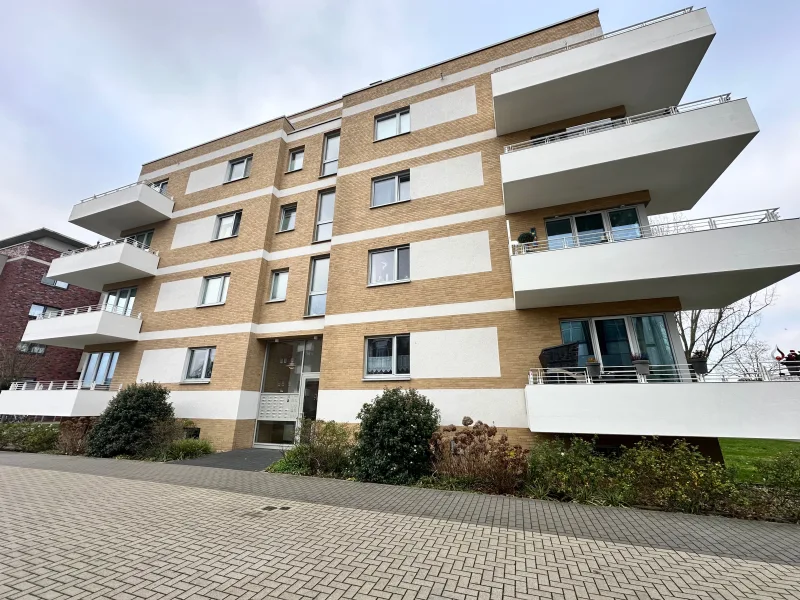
230	237
210	304
293	171
322	241
388	378
235	180
383	283
198	382
328	175
284	231
275	301
391	137
313	316
391	203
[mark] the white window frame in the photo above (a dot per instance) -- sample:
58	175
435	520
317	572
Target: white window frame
318	221
311	293
248	162
189	354
397	177
223	291
284	209
144	238
237	223
45	309
395	250
31	348
62	285
325	159
607	229
395	114
161	186
292	154
275	276
394	374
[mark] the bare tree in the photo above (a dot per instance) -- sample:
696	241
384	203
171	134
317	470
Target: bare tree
752	361
14	365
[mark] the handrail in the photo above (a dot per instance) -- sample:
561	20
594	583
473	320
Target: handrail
52	314
620	122
597	38
125	187
128	240
30	386
638	232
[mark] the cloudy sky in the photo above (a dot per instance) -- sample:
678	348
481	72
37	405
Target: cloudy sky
91	89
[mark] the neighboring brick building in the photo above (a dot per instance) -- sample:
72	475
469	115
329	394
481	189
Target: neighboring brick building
24	262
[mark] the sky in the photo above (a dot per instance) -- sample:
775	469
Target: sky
91	89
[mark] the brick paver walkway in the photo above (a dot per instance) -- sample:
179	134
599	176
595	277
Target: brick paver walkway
86	528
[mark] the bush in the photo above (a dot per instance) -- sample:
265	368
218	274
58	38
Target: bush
73	434
393	443
324	449
187	448
139	421
28	437
296	460
782	473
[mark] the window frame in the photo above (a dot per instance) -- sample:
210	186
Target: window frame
397	113
47	281
311	294
110	367
394	374
226	281
395	250
406	174
574	241
190	354
248	163
317	221
275	274
28	347
146	235
292	153
130	299
45	309
161	186
325	160
284	209
237	223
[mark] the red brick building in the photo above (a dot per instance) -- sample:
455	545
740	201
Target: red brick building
25	291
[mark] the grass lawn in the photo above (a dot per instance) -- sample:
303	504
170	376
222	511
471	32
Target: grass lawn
741	454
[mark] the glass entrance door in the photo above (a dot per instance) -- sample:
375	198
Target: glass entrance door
310	394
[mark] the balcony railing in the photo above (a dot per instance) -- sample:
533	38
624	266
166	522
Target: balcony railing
120	310
598	38
124	187
128	240
639	232
618	123
784	371
38	386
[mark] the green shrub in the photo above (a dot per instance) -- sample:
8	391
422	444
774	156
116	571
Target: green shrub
324	449
393	442
781	473
28	437
296	460
188	448
139	421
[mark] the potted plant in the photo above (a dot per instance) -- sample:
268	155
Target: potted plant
525	238
641	362
699	362
592	367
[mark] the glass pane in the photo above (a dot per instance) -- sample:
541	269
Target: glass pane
316	304
324	232
624	224
578	331
275	432
112	367
405	122
383	192
212	352
225	283
131	298
279	281
296	161
91	369
213	291
225	227
312	356
111	300
405	187
196	361
36	310
310	395
381	266
385	128
102	367
325	211
559	234
403	264
288	217
652	336
612	342
590	229
332	148
279	378
319	278
379	356
403	354
329	168
237	170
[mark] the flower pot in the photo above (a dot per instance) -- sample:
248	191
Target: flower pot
593	369
700	365
642	367
793	367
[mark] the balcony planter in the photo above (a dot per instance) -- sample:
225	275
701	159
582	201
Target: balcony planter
641	363
593	369
699	362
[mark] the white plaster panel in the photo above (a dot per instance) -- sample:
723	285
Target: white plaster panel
193	232
207	177
448	175
449	256
162	366
455	353
175	295
441	109
61	403
198	403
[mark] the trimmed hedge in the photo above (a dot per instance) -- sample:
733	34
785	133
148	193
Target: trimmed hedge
28	437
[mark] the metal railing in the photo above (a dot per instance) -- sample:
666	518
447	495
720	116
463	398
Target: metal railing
638	232
767	371
575	132
30	386
125	187
597	38
128	240
119	310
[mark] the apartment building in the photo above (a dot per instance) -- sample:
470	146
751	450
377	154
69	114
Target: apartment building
298	267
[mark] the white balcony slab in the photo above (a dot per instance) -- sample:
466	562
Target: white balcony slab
96	267
129	207
59	403
641	69
756	409
705	269
676	158
80	330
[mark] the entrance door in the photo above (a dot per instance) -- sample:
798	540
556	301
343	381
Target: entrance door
310	394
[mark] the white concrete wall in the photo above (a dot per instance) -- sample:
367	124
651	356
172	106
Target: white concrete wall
449	256
175	295
207	177
442	109
96	268
455	353
446	176
61	403
76	331
197	403
162	366
190	233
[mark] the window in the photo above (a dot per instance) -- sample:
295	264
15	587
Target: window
391	189
200	364
41	309
389	266
160	186
227	226
288	214
296	159
215	290
614	225
280	280
318	288
55	283
393	124
388	356
143	237
330	155
30	348
324	227
239	168
121	301
99	368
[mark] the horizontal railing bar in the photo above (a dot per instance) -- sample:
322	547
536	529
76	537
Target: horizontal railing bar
124	187
127	240
57	386
65	312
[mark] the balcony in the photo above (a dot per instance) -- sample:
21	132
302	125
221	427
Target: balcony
670	401
83	326
56	398
128	207
707	263
642	67
94	267
675	153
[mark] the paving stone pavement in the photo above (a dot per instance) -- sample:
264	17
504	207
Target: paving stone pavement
87	528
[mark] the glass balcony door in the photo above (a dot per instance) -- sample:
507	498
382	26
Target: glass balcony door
586	229
121	301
